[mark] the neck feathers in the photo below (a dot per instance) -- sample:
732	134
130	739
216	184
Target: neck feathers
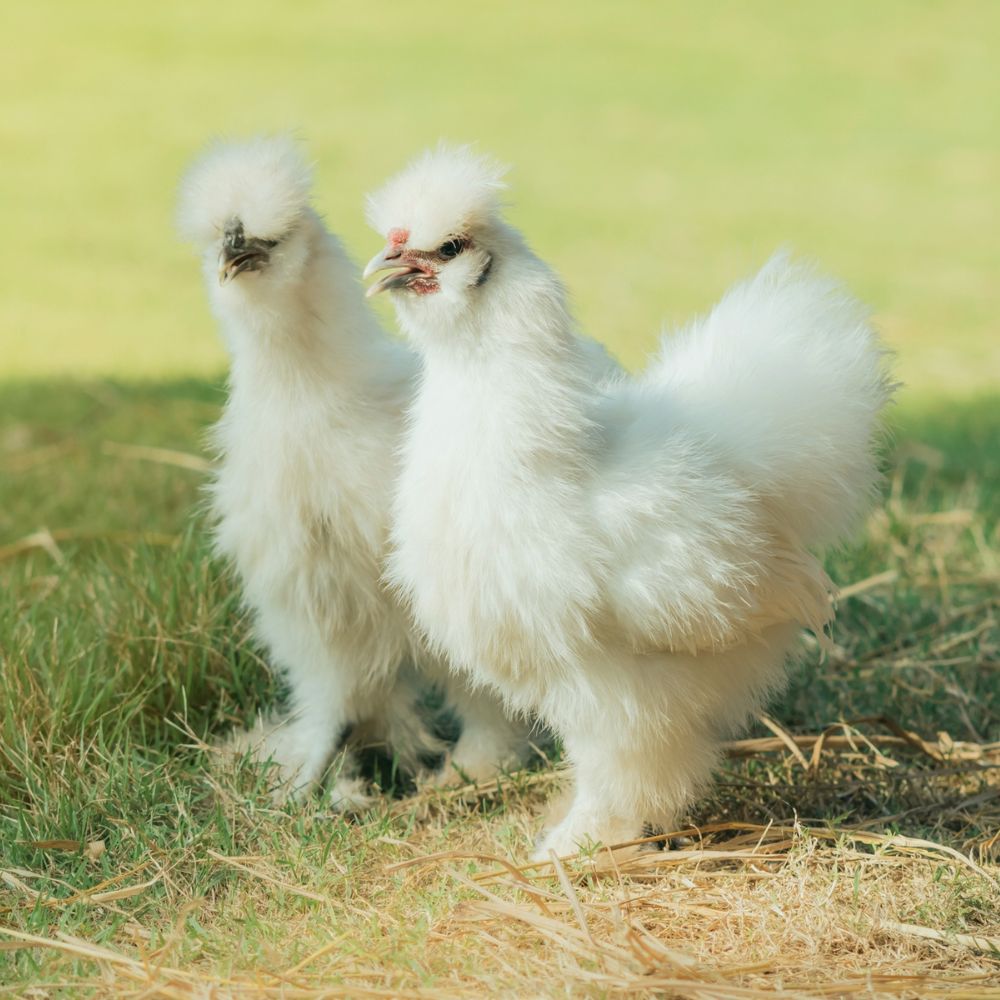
520	388
311	330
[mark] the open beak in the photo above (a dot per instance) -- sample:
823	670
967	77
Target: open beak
241	253
403	271
250	258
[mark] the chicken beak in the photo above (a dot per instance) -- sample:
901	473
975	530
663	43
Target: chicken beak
242	253
384	259
252	258
391	258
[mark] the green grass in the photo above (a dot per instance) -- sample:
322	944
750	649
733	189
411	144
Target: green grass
660	150
124	652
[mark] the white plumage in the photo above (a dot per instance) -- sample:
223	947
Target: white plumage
629	558
307	447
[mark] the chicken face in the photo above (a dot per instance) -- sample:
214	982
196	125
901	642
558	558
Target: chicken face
457	263
440	220
245	206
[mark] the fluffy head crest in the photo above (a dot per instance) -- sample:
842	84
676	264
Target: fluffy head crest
264	182
442	193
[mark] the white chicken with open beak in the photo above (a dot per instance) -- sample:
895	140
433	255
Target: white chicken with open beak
308	454
630	558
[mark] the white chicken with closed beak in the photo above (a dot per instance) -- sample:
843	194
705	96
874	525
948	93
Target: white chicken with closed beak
301	498
632	558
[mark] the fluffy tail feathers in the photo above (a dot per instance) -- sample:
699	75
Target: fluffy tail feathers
788	375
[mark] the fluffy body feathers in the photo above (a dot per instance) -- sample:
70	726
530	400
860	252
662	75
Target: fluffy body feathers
629	558
307	447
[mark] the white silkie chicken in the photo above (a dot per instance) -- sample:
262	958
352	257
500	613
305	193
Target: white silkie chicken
308	452
629	558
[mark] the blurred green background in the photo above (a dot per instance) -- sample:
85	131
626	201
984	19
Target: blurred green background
660	151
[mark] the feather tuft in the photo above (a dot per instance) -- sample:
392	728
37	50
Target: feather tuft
443	193
264	182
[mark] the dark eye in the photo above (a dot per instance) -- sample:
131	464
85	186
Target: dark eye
451	249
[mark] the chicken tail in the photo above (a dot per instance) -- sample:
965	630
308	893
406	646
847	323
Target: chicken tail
787	374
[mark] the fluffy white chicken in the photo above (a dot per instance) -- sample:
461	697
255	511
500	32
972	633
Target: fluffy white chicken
629	558
301	499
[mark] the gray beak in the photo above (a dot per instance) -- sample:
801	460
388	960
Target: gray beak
241	252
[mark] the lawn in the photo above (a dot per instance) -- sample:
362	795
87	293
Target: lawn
660	151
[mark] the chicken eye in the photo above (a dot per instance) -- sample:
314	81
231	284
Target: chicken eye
451	249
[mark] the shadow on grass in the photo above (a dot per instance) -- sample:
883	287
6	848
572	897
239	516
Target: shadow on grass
56	472
964	434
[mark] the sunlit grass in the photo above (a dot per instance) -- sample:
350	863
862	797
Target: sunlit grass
123	652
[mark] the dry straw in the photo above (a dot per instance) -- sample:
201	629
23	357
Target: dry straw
740	910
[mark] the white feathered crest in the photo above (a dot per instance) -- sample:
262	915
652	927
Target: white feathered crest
440	192
264	182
